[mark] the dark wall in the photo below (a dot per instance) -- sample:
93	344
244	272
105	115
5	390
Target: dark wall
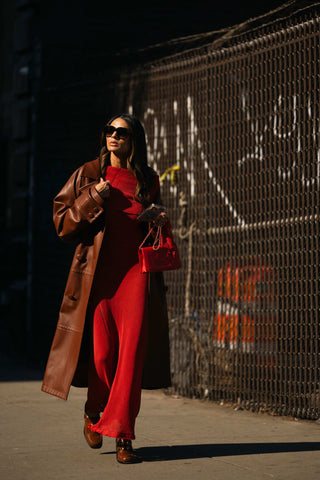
56	59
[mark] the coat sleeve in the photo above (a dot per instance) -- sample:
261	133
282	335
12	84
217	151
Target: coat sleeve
75	208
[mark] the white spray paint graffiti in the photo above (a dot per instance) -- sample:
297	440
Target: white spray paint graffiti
194	150
188	154
254	127
308	182
284	131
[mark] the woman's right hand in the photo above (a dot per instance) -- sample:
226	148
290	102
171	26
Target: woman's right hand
103	188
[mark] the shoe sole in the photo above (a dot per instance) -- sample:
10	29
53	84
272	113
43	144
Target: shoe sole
129	463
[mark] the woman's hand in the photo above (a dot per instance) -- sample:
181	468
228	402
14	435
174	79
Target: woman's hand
161	220
103	188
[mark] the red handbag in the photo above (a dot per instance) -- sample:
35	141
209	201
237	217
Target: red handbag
162	255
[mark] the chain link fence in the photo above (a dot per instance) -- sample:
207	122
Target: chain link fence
238	119
233	126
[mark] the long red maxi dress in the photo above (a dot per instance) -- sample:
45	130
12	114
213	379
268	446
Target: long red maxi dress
120	313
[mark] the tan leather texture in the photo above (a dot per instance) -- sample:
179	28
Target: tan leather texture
94	439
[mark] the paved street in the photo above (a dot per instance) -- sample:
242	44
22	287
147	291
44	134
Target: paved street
41	438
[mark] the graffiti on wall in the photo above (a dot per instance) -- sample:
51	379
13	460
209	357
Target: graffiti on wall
283	124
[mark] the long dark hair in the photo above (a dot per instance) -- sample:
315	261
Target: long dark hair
137	162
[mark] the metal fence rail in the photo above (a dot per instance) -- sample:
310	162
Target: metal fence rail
242	123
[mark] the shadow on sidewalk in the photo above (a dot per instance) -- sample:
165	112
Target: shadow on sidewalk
183	452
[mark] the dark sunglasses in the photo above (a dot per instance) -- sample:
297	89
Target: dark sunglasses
121	132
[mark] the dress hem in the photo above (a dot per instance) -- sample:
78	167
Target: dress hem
108	433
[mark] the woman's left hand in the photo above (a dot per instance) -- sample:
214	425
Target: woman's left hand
161	220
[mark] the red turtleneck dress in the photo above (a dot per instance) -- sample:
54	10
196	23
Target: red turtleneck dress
120	313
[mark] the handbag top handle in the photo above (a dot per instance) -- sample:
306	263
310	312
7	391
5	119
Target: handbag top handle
157	241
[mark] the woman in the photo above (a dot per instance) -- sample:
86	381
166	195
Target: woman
112	333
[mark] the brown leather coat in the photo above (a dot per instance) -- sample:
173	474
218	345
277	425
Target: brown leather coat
79	216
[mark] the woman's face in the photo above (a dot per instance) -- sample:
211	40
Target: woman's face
120	145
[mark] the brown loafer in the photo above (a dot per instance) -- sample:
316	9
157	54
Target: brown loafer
125	453
94	439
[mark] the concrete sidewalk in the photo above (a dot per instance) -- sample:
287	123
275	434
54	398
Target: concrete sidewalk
41	438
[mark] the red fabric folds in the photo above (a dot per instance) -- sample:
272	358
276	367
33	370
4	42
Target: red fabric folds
119	329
